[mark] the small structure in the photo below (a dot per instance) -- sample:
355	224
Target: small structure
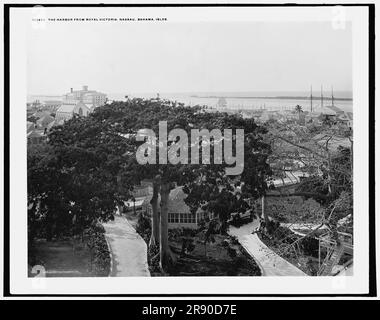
222	103
36	137
328	114
44	121
346	119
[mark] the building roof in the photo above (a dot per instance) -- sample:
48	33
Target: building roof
70	107
346	116
46	119
66	108
52	101
35	134
328	111
29	126
335	109
40	114
52	124
176	201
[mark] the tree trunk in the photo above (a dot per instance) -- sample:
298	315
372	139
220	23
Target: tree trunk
224	227
120	209
164	246
155	236
264	211
351	157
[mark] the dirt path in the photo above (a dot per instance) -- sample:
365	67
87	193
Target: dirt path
128	249
269	262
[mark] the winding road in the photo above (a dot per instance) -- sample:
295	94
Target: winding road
128	249
270	263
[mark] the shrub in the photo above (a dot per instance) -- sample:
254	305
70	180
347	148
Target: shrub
310	246
100	263
154	260
144	227
98	227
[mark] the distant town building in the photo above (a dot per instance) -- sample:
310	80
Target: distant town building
34	105
90	98
346	119
335	109
52	105
36	136
43	122
67	110
222	103
40	114
29	126
327	114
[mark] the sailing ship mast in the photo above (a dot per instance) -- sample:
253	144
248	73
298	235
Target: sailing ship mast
311	98
321	96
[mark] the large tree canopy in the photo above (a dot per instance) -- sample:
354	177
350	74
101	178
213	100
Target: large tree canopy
89	165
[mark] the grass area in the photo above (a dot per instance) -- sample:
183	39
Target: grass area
60	260
224	257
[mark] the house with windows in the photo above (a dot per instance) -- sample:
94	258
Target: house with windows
179	213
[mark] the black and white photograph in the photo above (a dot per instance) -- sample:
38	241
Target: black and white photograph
201	150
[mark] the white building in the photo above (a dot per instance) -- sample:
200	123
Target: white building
91	98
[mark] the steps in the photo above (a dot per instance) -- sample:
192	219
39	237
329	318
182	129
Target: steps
332	258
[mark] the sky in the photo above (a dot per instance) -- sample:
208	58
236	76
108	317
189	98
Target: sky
189	57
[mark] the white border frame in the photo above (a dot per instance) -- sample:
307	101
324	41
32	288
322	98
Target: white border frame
357	284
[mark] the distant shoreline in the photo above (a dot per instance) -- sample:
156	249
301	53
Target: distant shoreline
276	97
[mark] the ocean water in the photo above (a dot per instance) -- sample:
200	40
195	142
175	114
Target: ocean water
252	100
275	100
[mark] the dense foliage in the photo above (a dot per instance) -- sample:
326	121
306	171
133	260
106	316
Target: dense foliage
100	255
89	167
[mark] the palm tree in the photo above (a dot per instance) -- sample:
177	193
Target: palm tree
298	109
